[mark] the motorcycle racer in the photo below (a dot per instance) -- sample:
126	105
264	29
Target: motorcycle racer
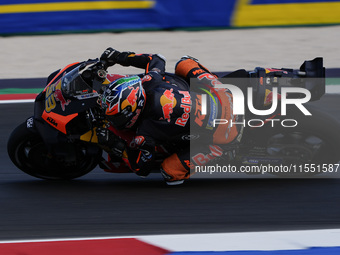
159	107
69	131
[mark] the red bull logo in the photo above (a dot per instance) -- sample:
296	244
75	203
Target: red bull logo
203	159
58	95
268	99
186	106
270	70
131	99
54	94
168	102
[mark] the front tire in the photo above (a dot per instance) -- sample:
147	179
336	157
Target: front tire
29	153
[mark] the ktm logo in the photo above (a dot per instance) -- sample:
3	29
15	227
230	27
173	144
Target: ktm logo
52	121
198	71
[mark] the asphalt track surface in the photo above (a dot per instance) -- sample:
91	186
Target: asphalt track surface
104	204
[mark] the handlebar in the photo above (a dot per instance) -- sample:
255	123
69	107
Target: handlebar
95	71
85	78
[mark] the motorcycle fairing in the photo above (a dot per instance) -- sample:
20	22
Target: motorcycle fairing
90	136
61	72
58	121
53	95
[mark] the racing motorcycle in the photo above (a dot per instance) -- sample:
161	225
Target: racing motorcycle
60	140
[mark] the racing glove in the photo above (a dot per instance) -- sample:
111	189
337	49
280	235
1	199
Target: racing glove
141	159
110	56
114	145
126	58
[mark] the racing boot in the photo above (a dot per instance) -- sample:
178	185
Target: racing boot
169	180
189	67
174	171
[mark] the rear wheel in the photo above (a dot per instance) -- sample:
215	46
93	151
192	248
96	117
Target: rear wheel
315	140
28	152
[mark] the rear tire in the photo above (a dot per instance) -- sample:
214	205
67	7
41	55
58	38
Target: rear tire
315	140
28	152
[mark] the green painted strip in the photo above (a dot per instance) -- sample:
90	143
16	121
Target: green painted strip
20	91
332	81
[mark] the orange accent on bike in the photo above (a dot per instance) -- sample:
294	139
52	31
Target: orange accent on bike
58	121
261	80
140	153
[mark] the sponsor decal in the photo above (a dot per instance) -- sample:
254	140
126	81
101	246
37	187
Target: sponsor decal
202	159
211	78
270	70
190	137
168	102
52	121
198	71
53	94
86	96
268	98
29	122
146	78
139	140
131	99
186	106
58	95
134	119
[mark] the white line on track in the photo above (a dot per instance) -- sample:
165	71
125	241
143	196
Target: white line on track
266	240
16	101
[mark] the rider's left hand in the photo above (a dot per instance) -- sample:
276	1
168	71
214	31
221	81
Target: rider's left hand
110	56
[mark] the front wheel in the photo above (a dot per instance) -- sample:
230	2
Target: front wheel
29	153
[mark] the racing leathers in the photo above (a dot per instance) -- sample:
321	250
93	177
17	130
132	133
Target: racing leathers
166	118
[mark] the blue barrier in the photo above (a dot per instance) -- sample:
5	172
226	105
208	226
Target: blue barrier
20	17
67	16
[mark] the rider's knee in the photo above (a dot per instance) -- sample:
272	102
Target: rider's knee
173	169
185	66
